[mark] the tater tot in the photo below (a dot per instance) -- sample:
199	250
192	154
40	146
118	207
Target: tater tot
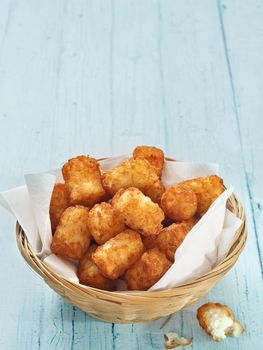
153	155
72	237
155	191
179	202
171	237
115	256
207	189
83	178
147	270
90	275
218	321
58	204
139	212
132	173
104	222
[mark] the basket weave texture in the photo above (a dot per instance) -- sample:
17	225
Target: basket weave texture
136	306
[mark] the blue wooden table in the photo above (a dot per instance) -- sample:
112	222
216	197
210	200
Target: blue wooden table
101	77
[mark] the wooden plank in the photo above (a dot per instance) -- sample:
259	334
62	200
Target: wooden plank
244	63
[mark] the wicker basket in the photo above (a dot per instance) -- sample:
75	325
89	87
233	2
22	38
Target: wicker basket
130	307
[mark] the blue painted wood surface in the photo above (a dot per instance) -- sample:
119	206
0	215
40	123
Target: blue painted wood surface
101	77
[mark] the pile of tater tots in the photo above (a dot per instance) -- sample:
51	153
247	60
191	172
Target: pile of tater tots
123	223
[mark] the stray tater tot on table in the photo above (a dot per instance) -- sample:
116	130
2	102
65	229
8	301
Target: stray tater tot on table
58	204
147	270
218	321
153	155
82	176
72	237
171	237
115	256
179	202
90	275
104	222
207	189
132	173
139	212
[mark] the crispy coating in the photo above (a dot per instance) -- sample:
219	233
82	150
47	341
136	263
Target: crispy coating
138	211
153	155
83	178
218	321
132	173
171	237
115	256
90	275
104	222
155	191
58	204
191	222
147	270
72	237
207	189
179	202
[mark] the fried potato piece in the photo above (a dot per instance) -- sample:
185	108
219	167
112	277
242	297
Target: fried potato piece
58	204
72	237
207	189
171	237
155	191
90	275
147	270
138	211
115	256
132	173
218	321
104	222
83	178
153	155
179	202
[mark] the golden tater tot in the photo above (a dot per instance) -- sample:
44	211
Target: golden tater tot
115	256
179	202
191	222
147	270
90	275
153	155
155	191
132	173
58	204
72	237
104	222
218	321
171	237
207	189
83	178
139	212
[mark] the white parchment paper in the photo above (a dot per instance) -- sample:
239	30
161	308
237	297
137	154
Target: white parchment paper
203	248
